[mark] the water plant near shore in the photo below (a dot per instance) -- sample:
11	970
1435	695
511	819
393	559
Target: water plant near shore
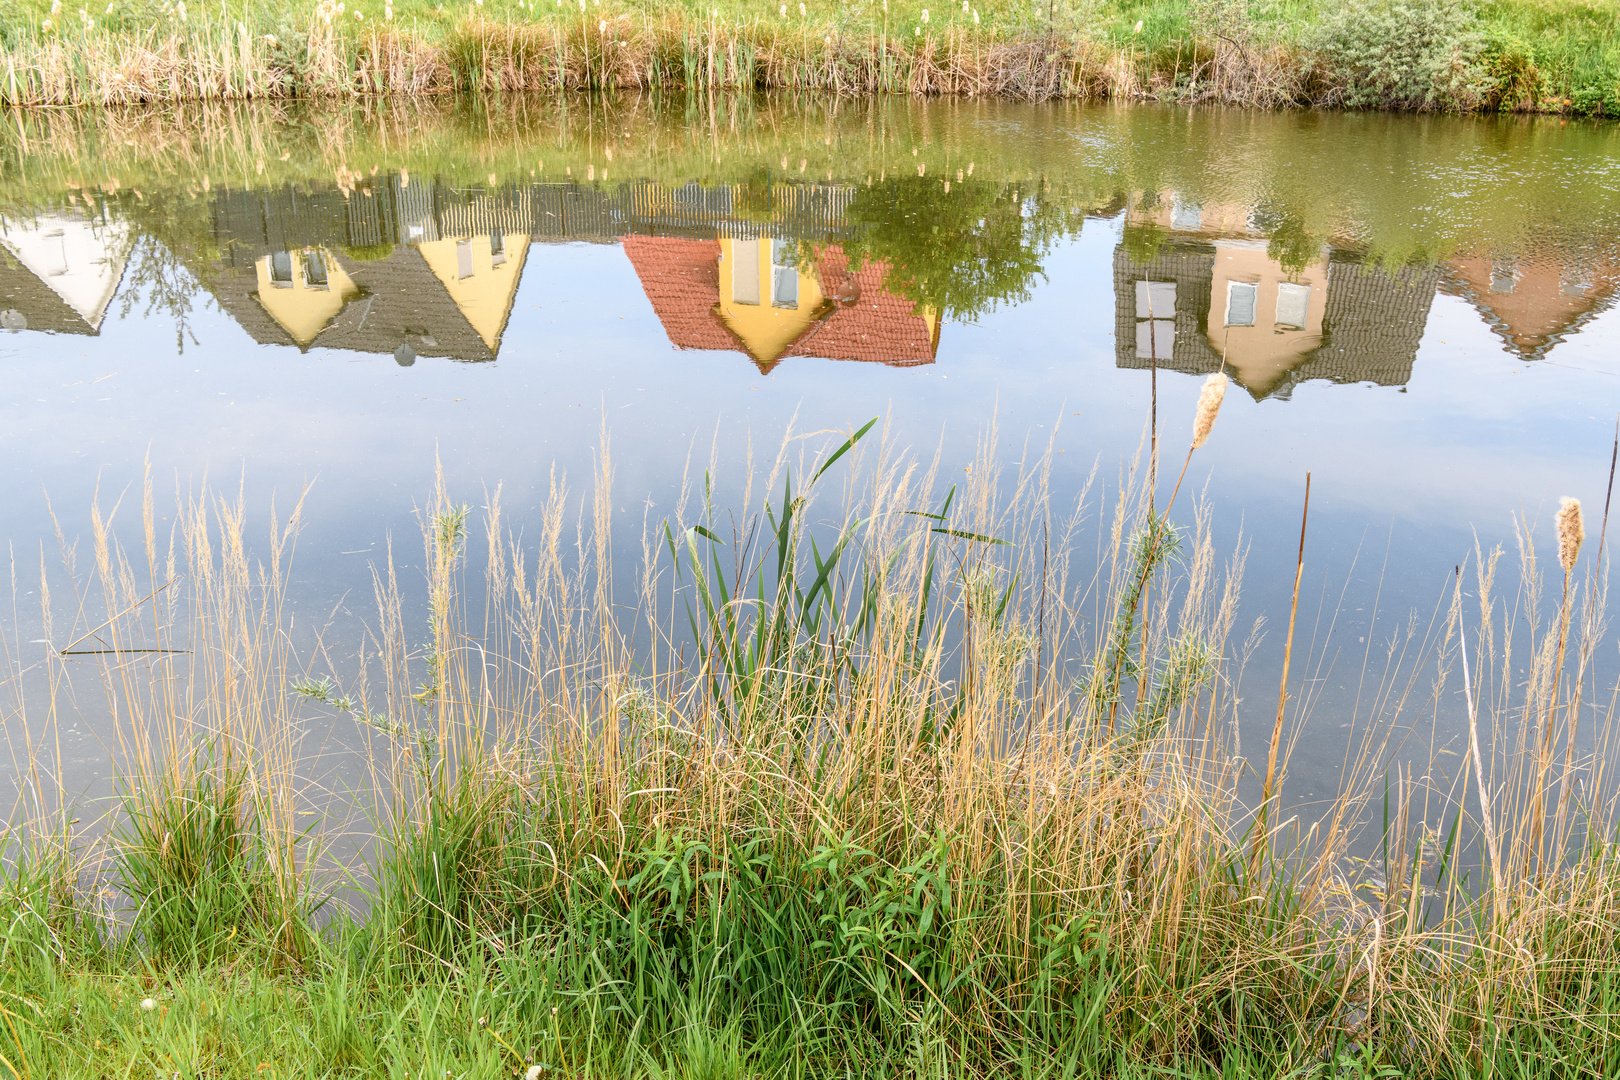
839	795
1408	54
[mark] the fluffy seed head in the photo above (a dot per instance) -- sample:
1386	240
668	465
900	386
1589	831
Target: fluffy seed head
1571	531
1209	403
147	1005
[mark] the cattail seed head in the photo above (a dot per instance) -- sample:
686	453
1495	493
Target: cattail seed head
1209	403
1571	531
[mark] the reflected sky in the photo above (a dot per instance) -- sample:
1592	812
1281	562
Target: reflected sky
1419	310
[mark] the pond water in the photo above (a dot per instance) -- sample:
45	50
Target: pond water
1418	311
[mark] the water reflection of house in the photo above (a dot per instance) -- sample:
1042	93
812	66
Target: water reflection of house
759	296
398	268
59	271
411	267
1213	296
1534	302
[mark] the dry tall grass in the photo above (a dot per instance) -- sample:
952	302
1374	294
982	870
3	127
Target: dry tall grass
222	59
931	713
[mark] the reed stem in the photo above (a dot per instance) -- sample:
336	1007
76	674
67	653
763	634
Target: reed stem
1282	690
1487	818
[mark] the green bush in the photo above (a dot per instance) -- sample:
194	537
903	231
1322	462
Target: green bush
1406	54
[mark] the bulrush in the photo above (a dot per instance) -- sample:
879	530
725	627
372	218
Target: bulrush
1571	532
1209	405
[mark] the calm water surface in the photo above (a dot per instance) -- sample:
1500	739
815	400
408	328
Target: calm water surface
1419	311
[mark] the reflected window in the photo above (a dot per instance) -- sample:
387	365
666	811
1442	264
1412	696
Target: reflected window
1242	297
1293	305
464	266
1155	339
497	249
745	271
56	253
1155	299
315	269
1155	319
784	276
1575	281
1186	216
1504	275
281	269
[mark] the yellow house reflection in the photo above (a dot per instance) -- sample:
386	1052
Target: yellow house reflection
303	290
306	290
743	295
764	299
481	275
1264	320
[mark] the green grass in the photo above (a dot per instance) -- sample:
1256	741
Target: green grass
1523	55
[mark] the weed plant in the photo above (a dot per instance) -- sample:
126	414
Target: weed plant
1428	54
892	776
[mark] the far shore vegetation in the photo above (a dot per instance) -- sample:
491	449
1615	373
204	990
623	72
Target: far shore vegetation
1552	56
905	771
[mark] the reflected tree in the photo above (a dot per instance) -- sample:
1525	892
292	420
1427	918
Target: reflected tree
162	279
1288	241
1142	240
963	248
174	258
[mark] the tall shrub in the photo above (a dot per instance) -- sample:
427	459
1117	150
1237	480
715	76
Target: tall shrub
1405	54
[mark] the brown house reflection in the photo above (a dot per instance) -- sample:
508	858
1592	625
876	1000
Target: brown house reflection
751	295
1533	303
1213	297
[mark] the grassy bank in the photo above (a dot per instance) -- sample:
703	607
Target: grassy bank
889	776
1521	55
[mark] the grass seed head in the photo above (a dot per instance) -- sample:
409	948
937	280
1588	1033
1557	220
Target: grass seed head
1209	404
1571	531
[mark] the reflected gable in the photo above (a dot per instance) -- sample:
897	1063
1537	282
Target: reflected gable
481	275
61	271
303	291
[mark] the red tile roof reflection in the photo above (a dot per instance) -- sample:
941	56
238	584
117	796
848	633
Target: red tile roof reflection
869	323
682	280
862	321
